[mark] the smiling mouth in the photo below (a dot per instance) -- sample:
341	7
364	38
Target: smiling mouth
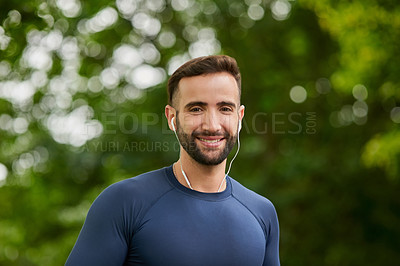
210	140
211	143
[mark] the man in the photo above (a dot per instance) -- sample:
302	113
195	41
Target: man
190	213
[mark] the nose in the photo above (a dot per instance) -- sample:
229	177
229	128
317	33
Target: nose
211	123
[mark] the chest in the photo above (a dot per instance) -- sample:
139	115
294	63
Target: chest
187	231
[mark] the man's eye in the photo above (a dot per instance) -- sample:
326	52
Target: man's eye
226	109
195	109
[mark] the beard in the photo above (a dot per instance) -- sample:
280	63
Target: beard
189	144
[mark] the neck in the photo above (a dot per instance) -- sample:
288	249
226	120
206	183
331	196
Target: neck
202	178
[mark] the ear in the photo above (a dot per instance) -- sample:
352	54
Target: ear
241	114
170	113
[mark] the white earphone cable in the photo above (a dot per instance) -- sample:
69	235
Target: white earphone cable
184	175
180	162
230	164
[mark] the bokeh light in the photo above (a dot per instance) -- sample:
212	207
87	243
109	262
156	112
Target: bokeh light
149	53
298	94
175	62
13	19
255	12
38	58
166	39
110	77
280	9
146	76
360	109
70	8
5	69
104	19
20	125
126	7
3	173
155	5
360	92
128	56
395	115
4	39
181	5
74	128
206	44
146	24
18	93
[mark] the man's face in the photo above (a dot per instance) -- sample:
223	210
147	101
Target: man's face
208	113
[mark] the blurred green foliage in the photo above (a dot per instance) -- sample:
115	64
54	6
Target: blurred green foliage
82	96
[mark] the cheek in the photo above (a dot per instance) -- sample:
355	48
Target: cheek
191	123
230	123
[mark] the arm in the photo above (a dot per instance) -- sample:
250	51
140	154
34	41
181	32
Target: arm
103	238
272	246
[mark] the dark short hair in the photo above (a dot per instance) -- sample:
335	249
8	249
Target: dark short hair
202	66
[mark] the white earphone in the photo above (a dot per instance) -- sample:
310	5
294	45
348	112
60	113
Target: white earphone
172	123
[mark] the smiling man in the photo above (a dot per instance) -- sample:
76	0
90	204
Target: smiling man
192	212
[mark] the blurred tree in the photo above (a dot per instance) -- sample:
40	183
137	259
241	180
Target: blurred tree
82	94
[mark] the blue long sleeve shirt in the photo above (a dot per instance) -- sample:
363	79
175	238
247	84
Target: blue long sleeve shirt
152	219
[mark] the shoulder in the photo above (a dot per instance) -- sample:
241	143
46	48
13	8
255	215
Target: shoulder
144	186
260	206
134	195
130	199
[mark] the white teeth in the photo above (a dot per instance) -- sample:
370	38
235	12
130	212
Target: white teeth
210	141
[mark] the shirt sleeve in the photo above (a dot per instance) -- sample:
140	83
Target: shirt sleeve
272	246
103	239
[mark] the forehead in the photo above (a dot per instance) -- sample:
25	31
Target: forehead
209	88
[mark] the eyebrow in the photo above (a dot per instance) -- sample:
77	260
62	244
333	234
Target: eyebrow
199	103
223	103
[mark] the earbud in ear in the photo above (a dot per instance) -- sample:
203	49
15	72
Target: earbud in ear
240	126
172	123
